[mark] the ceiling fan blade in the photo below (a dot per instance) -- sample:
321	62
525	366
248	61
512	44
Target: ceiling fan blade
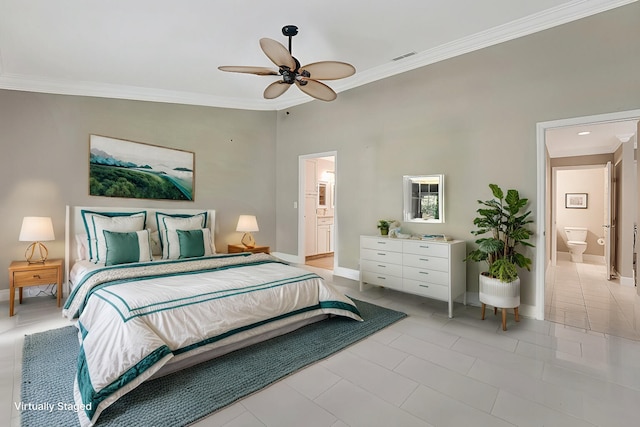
277	53
329	70
276	89
261	71
316	89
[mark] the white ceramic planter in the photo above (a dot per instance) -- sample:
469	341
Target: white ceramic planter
499	294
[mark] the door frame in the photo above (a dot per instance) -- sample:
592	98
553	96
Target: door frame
542	262
301	201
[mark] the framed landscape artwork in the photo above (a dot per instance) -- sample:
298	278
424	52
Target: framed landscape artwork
121	168
575	200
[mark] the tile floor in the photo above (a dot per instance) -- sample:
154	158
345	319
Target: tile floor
426	370
578	294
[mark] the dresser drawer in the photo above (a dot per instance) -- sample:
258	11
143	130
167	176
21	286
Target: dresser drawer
386	280
422	274
381	267
381	256
43	276
426	289
426	248
426	261
382	243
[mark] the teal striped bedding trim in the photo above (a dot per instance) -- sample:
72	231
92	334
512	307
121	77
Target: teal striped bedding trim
141	264
149	276
337	305
82	329
90	395
195	299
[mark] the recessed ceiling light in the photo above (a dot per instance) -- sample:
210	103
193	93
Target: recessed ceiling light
583	133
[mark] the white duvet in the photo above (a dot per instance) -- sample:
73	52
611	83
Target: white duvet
135	318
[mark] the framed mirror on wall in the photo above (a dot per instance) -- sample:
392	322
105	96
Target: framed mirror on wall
322	194
423	198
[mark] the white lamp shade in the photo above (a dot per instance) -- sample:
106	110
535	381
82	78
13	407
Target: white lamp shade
247	224
36	229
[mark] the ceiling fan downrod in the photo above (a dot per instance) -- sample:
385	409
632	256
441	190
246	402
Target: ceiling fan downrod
289	31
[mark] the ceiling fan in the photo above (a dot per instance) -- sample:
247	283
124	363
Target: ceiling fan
305	77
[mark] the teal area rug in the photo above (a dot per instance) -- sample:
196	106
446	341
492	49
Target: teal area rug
49	367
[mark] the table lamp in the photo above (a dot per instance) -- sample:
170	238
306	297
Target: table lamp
247	224
36	229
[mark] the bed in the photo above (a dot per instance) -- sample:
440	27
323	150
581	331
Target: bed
151	296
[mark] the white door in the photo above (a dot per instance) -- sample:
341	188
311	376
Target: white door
310	237
607	227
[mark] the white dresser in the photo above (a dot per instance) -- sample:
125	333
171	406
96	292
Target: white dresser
427	268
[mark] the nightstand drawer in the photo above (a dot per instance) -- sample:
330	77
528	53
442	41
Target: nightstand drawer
42	276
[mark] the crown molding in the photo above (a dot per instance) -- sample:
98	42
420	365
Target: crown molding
549	18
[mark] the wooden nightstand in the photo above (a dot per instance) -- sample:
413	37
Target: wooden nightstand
234	249
23	274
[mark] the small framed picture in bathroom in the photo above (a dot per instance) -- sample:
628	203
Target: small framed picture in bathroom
575	200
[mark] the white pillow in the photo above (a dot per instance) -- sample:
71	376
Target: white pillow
82	247
177	246
178	222
96	222
156	246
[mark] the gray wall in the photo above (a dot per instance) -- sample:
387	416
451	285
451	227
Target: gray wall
44	142
472	118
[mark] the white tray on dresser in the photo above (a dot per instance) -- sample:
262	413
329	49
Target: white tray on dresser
429	268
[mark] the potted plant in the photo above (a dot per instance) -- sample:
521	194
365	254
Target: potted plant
383	225
502	219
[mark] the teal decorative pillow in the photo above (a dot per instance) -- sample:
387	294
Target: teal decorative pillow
187	243
96	222
191	243
124	248
172	222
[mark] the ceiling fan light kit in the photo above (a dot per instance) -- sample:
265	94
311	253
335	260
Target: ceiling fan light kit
305	77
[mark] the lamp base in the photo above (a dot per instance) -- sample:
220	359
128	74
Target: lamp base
248	241
30	252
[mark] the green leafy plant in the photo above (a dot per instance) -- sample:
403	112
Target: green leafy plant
384	223
501	217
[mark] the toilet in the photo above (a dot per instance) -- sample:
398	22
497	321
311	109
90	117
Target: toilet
576	241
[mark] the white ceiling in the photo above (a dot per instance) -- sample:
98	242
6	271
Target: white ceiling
169	51
603	138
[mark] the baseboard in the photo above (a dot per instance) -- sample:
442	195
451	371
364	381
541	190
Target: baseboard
294	259
348	273
627	281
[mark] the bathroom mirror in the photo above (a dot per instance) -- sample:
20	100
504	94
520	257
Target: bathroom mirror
322	194
423	198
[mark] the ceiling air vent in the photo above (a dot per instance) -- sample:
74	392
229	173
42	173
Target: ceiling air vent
406	55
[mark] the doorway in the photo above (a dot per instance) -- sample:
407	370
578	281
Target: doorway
582	294
317	213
